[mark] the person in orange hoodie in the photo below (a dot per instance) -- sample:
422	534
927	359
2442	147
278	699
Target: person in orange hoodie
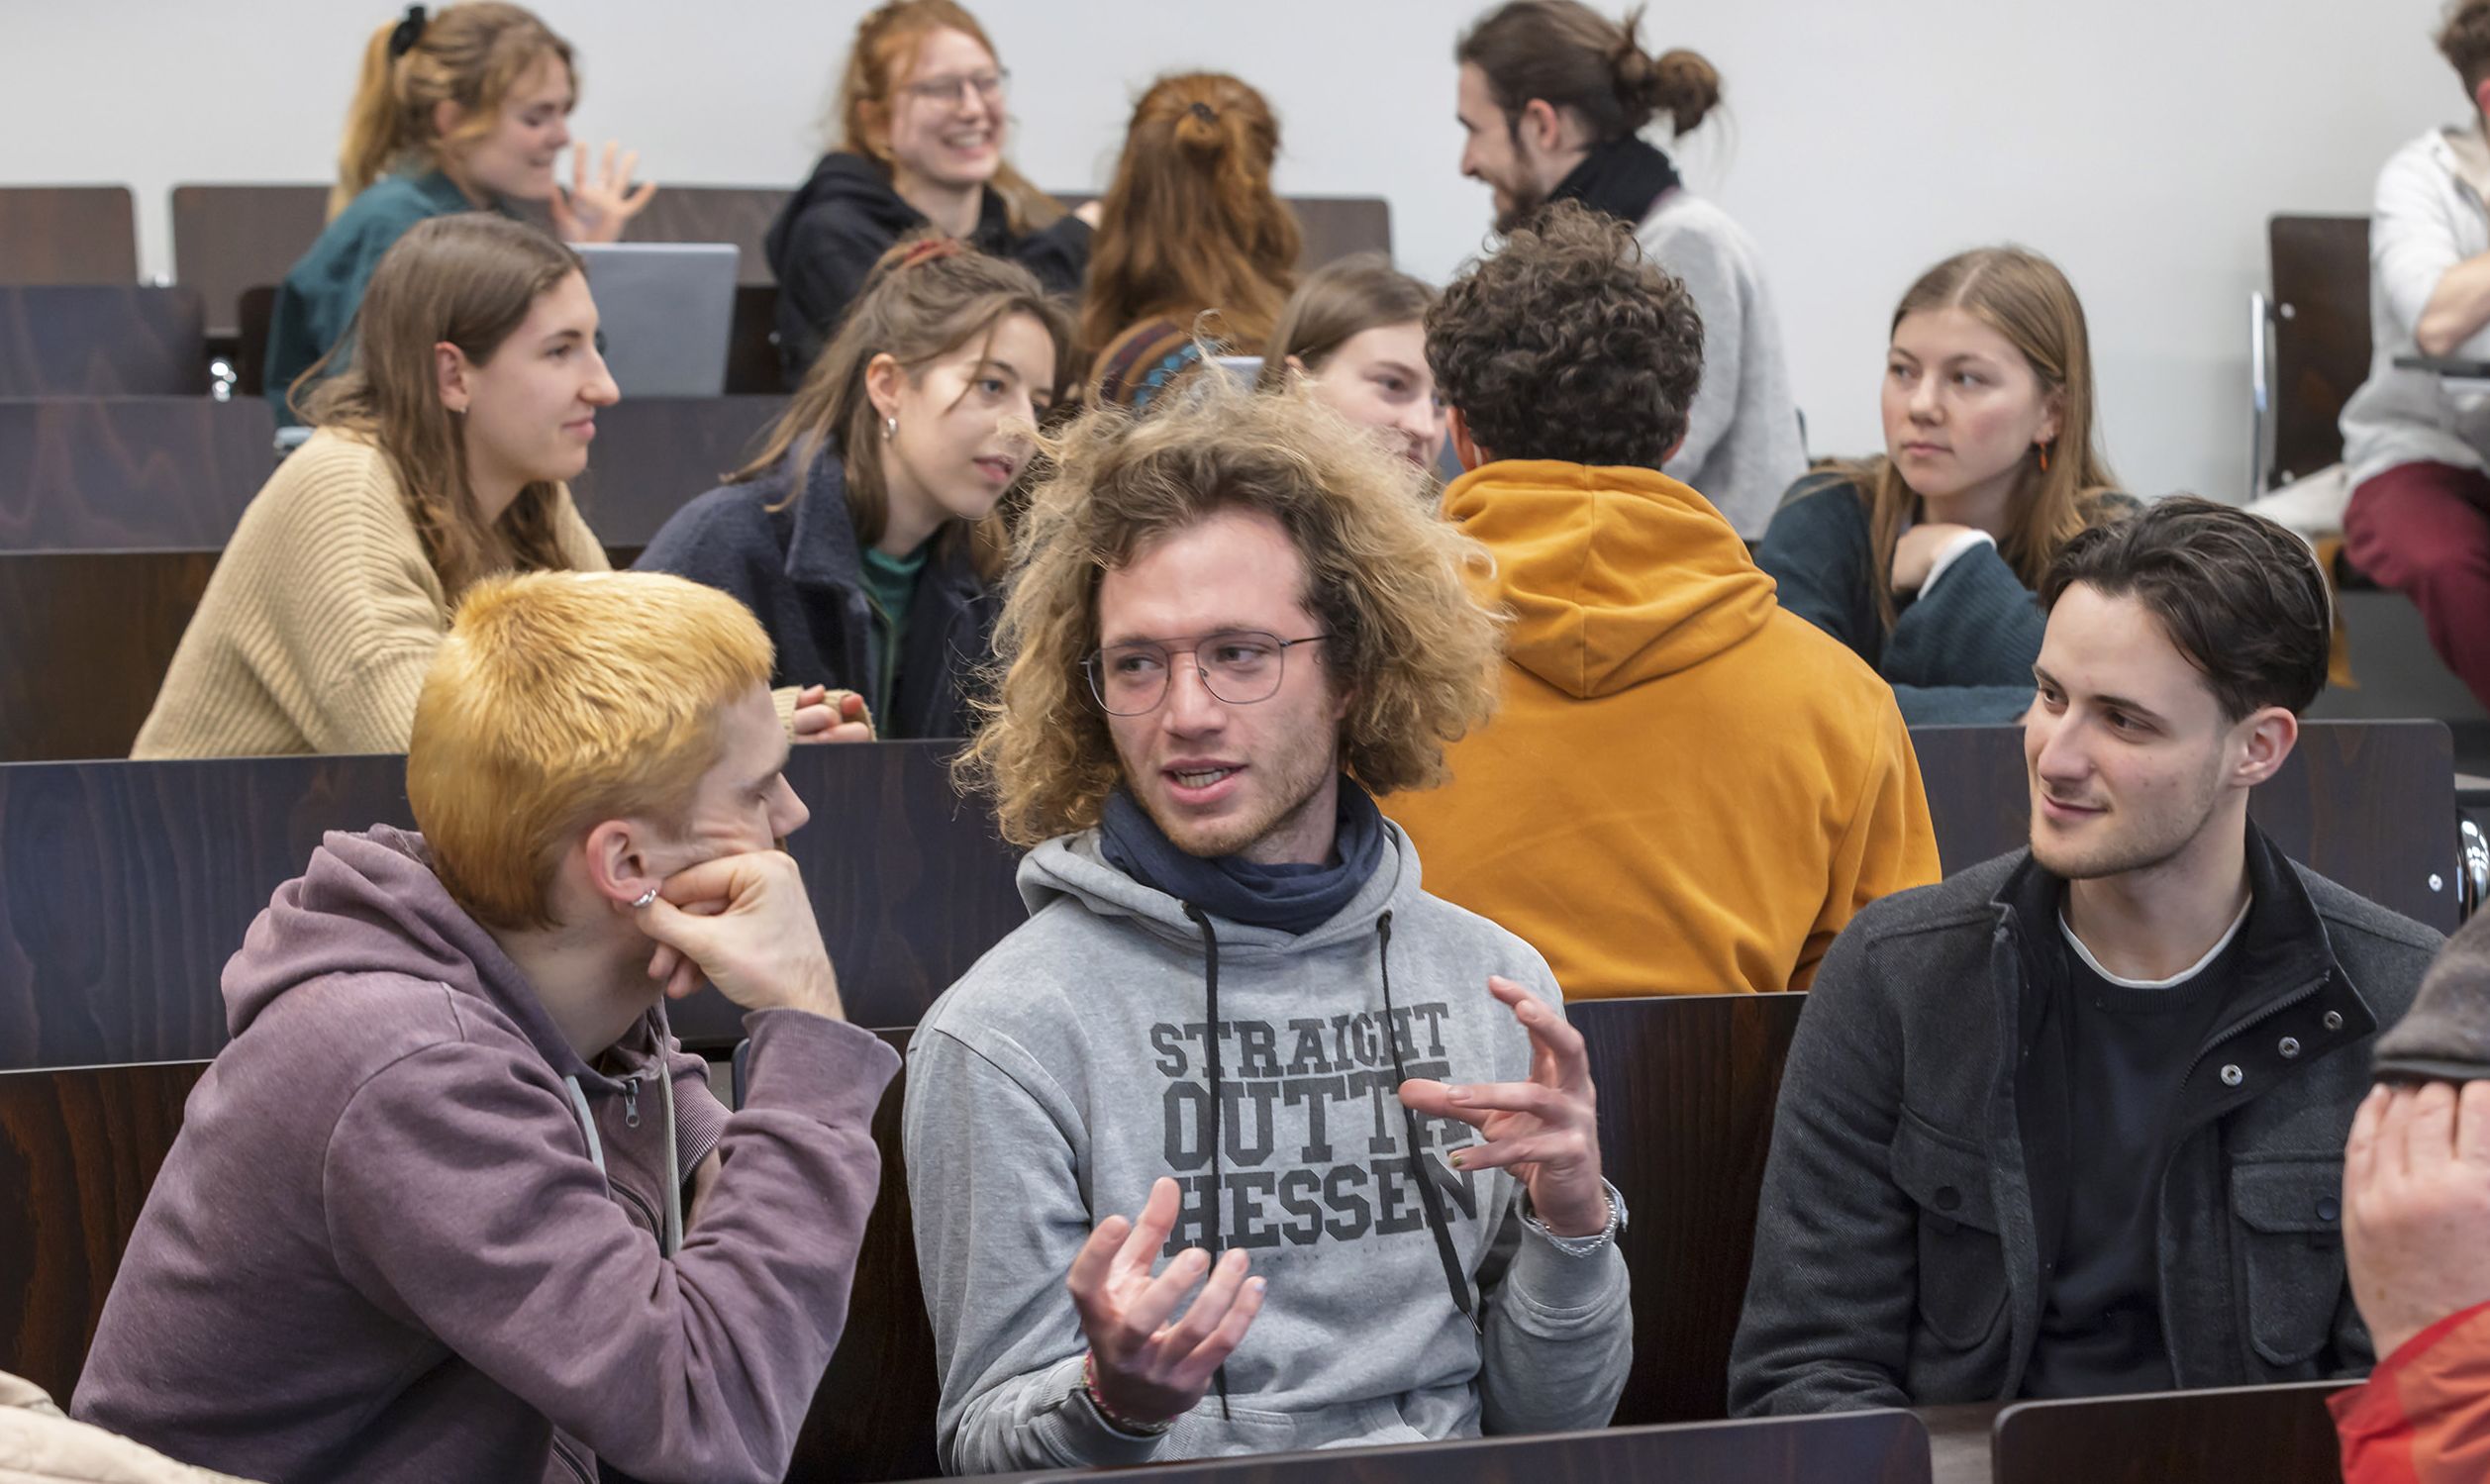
2416	1208
1686	790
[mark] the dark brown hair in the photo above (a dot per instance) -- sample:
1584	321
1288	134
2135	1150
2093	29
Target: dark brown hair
2465	41
1570	344
2243	598
1569	55
1336	302
926	298
878	63
468	279
1190	223
470	55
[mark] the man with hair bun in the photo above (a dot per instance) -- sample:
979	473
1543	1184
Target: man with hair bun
2419	452
454	1204
2071	1123
1688	790
1554	99
1190	1153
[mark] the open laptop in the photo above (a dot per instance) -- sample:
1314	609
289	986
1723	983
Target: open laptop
667	311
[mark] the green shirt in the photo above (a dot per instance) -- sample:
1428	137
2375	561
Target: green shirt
890	588
315	303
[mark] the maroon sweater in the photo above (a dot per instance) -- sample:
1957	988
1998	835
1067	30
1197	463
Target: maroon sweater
380	1248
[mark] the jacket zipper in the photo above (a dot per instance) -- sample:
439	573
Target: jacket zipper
2231	1032
579	1469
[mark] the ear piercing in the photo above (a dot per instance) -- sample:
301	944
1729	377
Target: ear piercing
644	897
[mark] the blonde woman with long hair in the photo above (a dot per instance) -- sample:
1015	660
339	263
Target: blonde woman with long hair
1924	561
466	108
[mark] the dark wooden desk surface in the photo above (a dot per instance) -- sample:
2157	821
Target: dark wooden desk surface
2372	806
127	473
1687	1091
68	234
72	341
1857	1447
123	887
2272	1434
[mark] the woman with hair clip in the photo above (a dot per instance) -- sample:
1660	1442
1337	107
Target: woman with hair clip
922	127
462	110
1195	244
1924	561
1356	334
1554	98
869	531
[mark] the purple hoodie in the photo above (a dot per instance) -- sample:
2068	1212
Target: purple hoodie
382	1249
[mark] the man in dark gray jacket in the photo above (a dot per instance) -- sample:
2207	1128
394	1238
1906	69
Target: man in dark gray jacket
2071	1121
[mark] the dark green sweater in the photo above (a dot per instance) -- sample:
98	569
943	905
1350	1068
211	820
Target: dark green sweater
1961	652
318	299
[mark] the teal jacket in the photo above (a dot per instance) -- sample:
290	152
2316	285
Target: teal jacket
315	303
1961	652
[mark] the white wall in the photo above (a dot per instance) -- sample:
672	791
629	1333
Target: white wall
2141	143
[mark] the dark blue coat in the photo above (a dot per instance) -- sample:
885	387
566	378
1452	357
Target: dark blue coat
799	569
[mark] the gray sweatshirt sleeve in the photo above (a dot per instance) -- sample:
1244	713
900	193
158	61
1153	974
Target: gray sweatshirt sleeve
994	1188
1560	1337
1559	1330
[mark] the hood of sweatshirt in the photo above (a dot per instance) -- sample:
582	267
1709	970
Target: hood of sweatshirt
861	185
1613	576
369	904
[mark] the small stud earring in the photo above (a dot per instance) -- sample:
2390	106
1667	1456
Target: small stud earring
644	897
890	426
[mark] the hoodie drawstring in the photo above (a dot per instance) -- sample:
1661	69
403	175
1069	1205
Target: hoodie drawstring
1427	1196
1218	1200
670	1236
587	1123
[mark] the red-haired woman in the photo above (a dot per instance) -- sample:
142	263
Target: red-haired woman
1194	243
922	125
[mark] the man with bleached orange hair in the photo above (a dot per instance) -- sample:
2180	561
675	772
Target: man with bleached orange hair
454	1204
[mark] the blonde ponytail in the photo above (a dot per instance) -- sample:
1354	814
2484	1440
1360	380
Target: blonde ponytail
372	136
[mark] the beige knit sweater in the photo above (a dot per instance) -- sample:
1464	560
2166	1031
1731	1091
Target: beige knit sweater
322	617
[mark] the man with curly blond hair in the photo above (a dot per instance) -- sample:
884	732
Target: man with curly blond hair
1688	790
1236	1048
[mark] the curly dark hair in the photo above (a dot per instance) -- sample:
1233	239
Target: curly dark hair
2465	41
1568	345
2243	598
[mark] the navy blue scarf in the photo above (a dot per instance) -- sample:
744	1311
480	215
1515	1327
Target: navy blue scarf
1623	177
1291	898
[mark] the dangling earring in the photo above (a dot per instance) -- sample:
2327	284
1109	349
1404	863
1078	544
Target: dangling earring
2044	458
891	427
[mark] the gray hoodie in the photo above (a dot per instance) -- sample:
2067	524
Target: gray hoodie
1069	1071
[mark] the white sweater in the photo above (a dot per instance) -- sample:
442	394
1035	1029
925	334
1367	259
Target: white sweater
2430	217
1743	445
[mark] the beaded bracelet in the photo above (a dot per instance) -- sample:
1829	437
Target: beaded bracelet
1115	1419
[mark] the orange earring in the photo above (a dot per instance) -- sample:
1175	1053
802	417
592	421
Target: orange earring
2044	458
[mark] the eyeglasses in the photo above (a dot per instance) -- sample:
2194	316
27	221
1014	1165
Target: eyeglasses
988	86
1239	667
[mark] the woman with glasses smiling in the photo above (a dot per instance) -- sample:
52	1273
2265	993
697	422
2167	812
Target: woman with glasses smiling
922	120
